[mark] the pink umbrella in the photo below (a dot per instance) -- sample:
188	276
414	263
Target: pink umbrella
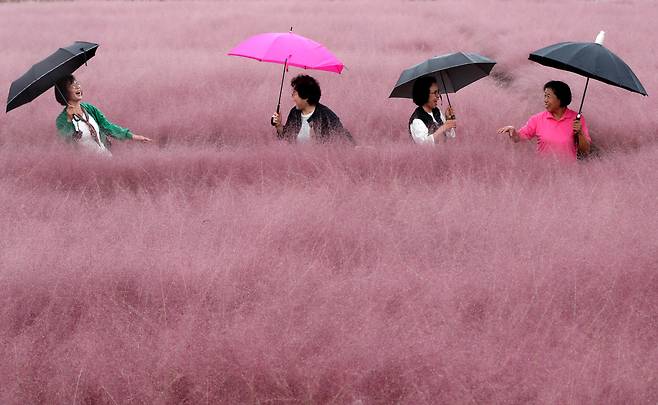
288	49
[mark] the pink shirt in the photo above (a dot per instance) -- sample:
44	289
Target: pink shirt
554	137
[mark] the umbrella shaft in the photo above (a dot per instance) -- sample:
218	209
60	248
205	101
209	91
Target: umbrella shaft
278	104
580	109
60	92
444	89
283	76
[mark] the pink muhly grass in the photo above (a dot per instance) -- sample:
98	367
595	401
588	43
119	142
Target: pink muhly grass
219	266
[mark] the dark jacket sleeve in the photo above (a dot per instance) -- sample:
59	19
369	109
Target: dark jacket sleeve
335	128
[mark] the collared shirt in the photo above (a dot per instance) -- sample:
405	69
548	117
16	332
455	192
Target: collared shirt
554	137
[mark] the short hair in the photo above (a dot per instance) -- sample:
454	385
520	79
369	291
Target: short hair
307	88
561	91
62	89
421	90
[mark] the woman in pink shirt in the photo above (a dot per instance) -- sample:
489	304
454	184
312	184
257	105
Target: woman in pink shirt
557	129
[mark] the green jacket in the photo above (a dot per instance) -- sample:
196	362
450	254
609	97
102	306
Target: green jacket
66	128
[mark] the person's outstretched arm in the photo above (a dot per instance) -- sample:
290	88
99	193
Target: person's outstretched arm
115	130
511	132
528	131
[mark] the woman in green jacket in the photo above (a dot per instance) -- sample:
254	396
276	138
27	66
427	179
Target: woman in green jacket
84	123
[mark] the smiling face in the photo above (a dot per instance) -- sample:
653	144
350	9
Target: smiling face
434	97
551	102
74	92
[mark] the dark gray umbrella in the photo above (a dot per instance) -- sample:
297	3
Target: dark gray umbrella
454	71
46	73
592	60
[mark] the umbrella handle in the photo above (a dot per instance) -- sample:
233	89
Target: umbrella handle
278	107
452	116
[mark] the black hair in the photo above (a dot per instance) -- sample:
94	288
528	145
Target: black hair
307	88
561	91
62	89
421	90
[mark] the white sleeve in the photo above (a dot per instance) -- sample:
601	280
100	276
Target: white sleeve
420	133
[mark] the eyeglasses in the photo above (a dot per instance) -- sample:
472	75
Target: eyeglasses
436	93
76	84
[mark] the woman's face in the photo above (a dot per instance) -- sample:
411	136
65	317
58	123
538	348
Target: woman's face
433	100
300	103
74	91
551	102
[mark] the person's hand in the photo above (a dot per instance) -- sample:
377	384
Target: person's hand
276	120
577	126
449	124
450	113
509	130
69	113
140	138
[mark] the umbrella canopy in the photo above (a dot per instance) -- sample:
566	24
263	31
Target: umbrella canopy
288	49
592	60
43	75
454	71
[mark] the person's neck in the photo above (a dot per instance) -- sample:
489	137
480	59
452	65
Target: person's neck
75	104
557	114
309	109
427	108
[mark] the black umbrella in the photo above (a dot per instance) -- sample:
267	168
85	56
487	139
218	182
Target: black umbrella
454	71
46	73
592	60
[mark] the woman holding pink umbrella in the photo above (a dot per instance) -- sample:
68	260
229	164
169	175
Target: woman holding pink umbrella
308	120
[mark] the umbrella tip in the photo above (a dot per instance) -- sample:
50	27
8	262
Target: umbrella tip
290	29
600	38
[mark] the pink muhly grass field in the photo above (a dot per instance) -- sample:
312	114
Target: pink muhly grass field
219	266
